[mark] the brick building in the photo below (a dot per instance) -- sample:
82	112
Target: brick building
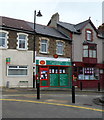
17	52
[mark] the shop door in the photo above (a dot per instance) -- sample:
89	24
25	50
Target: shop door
44	77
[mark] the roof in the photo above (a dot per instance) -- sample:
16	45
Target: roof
76	28
50	31
14	23
80	26
67	26
101	31
29	26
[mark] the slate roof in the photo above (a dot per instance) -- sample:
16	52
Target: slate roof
28	26
14	23
76	28
47	30
67	26
80	26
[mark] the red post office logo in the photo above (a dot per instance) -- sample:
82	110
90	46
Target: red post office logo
42	62
55	56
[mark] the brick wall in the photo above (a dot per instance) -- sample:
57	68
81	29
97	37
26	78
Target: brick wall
52	47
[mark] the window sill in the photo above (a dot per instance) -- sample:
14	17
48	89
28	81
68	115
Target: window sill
44	52
22	49
3	48
17	75
59	54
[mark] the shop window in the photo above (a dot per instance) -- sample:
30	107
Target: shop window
22	41
80	70
44	46
58	70
88	74
60	48
62	70
17	70
3	39
90	51
53	70
43	73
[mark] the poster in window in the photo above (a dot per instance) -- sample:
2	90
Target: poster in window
52	70
63	70
56	70
49	70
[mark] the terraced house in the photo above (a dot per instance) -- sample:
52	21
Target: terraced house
50	54
53	55
87	51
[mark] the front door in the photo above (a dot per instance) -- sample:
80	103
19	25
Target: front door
44	79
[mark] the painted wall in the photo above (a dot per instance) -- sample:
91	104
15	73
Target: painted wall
78	45
17	58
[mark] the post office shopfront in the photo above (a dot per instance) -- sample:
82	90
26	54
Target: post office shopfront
54	72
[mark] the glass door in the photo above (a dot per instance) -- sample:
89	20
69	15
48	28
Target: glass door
44	77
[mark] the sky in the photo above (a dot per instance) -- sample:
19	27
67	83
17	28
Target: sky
70	11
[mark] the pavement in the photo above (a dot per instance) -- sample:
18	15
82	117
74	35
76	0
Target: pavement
53	103
53	89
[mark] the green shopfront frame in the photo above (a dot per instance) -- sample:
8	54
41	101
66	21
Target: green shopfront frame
54	72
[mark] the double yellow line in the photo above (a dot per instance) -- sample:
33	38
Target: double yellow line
57	104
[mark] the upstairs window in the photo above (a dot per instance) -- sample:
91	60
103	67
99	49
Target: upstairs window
22	41
90	51
85	51
44	46
3	39
60	48
89	35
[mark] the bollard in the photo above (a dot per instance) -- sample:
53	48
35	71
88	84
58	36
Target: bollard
73	94
7	84
80	85
38	90
98	86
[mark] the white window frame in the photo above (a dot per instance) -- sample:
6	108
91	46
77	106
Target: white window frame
89	35
58	45
17	67
6	38
47	44
26	41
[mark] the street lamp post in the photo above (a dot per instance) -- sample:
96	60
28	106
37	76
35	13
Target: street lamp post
34	50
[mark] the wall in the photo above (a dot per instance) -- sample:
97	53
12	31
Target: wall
52	47
17	58
78	42
0	68
12	40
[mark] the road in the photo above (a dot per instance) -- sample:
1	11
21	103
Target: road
52	104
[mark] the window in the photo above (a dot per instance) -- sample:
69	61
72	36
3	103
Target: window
89	36
58	70
85	51
60	48
88	73
3	39
44	46
22	41
17	71
90	51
